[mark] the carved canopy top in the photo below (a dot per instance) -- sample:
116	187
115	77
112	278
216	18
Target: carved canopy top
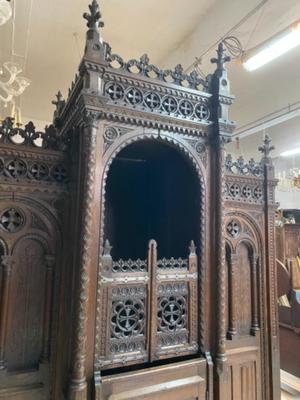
143	67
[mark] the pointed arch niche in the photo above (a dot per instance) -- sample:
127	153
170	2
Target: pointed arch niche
152	192
242	259
149	278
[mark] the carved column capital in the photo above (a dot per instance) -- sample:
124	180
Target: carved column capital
91	118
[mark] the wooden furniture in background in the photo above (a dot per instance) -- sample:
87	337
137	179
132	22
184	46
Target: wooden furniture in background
287	245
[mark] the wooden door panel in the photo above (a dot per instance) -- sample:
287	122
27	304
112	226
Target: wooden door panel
149	309
174	306
245	373
178	381
26	313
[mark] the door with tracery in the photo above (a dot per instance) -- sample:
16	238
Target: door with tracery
151	309
149	267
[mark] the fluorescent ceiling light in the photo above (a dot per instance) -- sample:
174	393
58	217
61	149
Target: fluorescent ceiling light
291	152
273	48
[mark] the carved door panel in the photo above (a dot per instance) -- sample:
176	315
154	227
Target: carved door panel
149	308
25	322
173	305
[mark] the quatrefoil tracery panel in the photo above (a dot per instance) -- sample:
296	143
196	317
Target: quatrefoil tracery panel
11	220
172	312
157	102
128	318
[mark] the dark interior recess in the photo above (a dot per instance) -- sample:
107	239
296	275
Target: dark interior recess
152	192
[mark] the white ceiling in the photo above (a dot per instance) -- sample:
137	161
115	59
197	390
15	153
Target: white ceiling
170	31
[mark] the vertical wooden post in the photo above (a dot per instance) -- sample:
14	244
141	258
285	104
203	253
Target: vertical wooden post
50	262
254	282
78	383
6	265
222	129
232	328
152	294
271	313
220	258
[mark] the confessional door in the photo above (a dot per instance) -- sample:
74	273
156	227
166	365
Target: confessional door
149	266
151	306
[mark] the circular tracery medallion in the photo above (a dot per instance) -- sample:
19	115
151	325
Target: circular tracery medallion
172	313
127	318
11	220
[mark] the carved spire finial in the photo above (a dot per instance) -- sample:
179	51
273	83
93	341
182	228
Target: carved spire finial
192	247
93	18
107	248
266	149
222	57
59	104
59	99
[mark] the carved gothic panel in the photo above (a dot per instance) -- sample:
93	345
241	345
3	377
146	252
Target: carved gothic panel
150	307
243	290
26	311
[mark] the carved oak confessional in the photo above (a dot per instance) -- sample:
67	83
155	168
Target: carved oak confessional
137	260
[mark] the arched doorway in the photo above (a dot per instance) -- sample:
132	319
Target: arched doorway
150	276
152	192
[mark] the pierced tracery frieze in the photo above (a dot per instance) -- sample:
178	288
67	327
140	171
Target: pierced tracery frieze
129	265
243	190
154	101
29	136
143	67
172	262
20	169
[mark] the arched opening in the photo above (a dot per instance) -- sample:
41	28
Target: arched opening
244	288
152	192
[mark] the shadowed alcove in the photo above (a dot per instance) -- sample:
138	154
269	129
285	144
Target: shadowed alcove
152	192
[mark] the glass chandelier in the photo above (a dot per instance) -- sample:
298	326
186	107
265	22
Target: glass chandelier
11	84
5	11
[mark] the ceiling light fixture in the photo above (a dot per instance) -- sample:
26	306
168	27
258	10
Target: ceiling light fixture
290	152
11	83
5	11
272	48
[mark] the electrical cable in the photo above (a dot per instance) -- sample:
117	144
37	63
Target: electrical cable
227	34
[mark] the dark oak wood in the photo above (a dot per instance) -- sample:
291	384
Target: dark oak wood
137	259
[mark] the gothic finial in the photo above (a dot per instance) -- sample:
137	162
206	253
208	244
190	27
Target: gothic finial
93	18
59	104
266	149
107	248
192	247
59	98
222	57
